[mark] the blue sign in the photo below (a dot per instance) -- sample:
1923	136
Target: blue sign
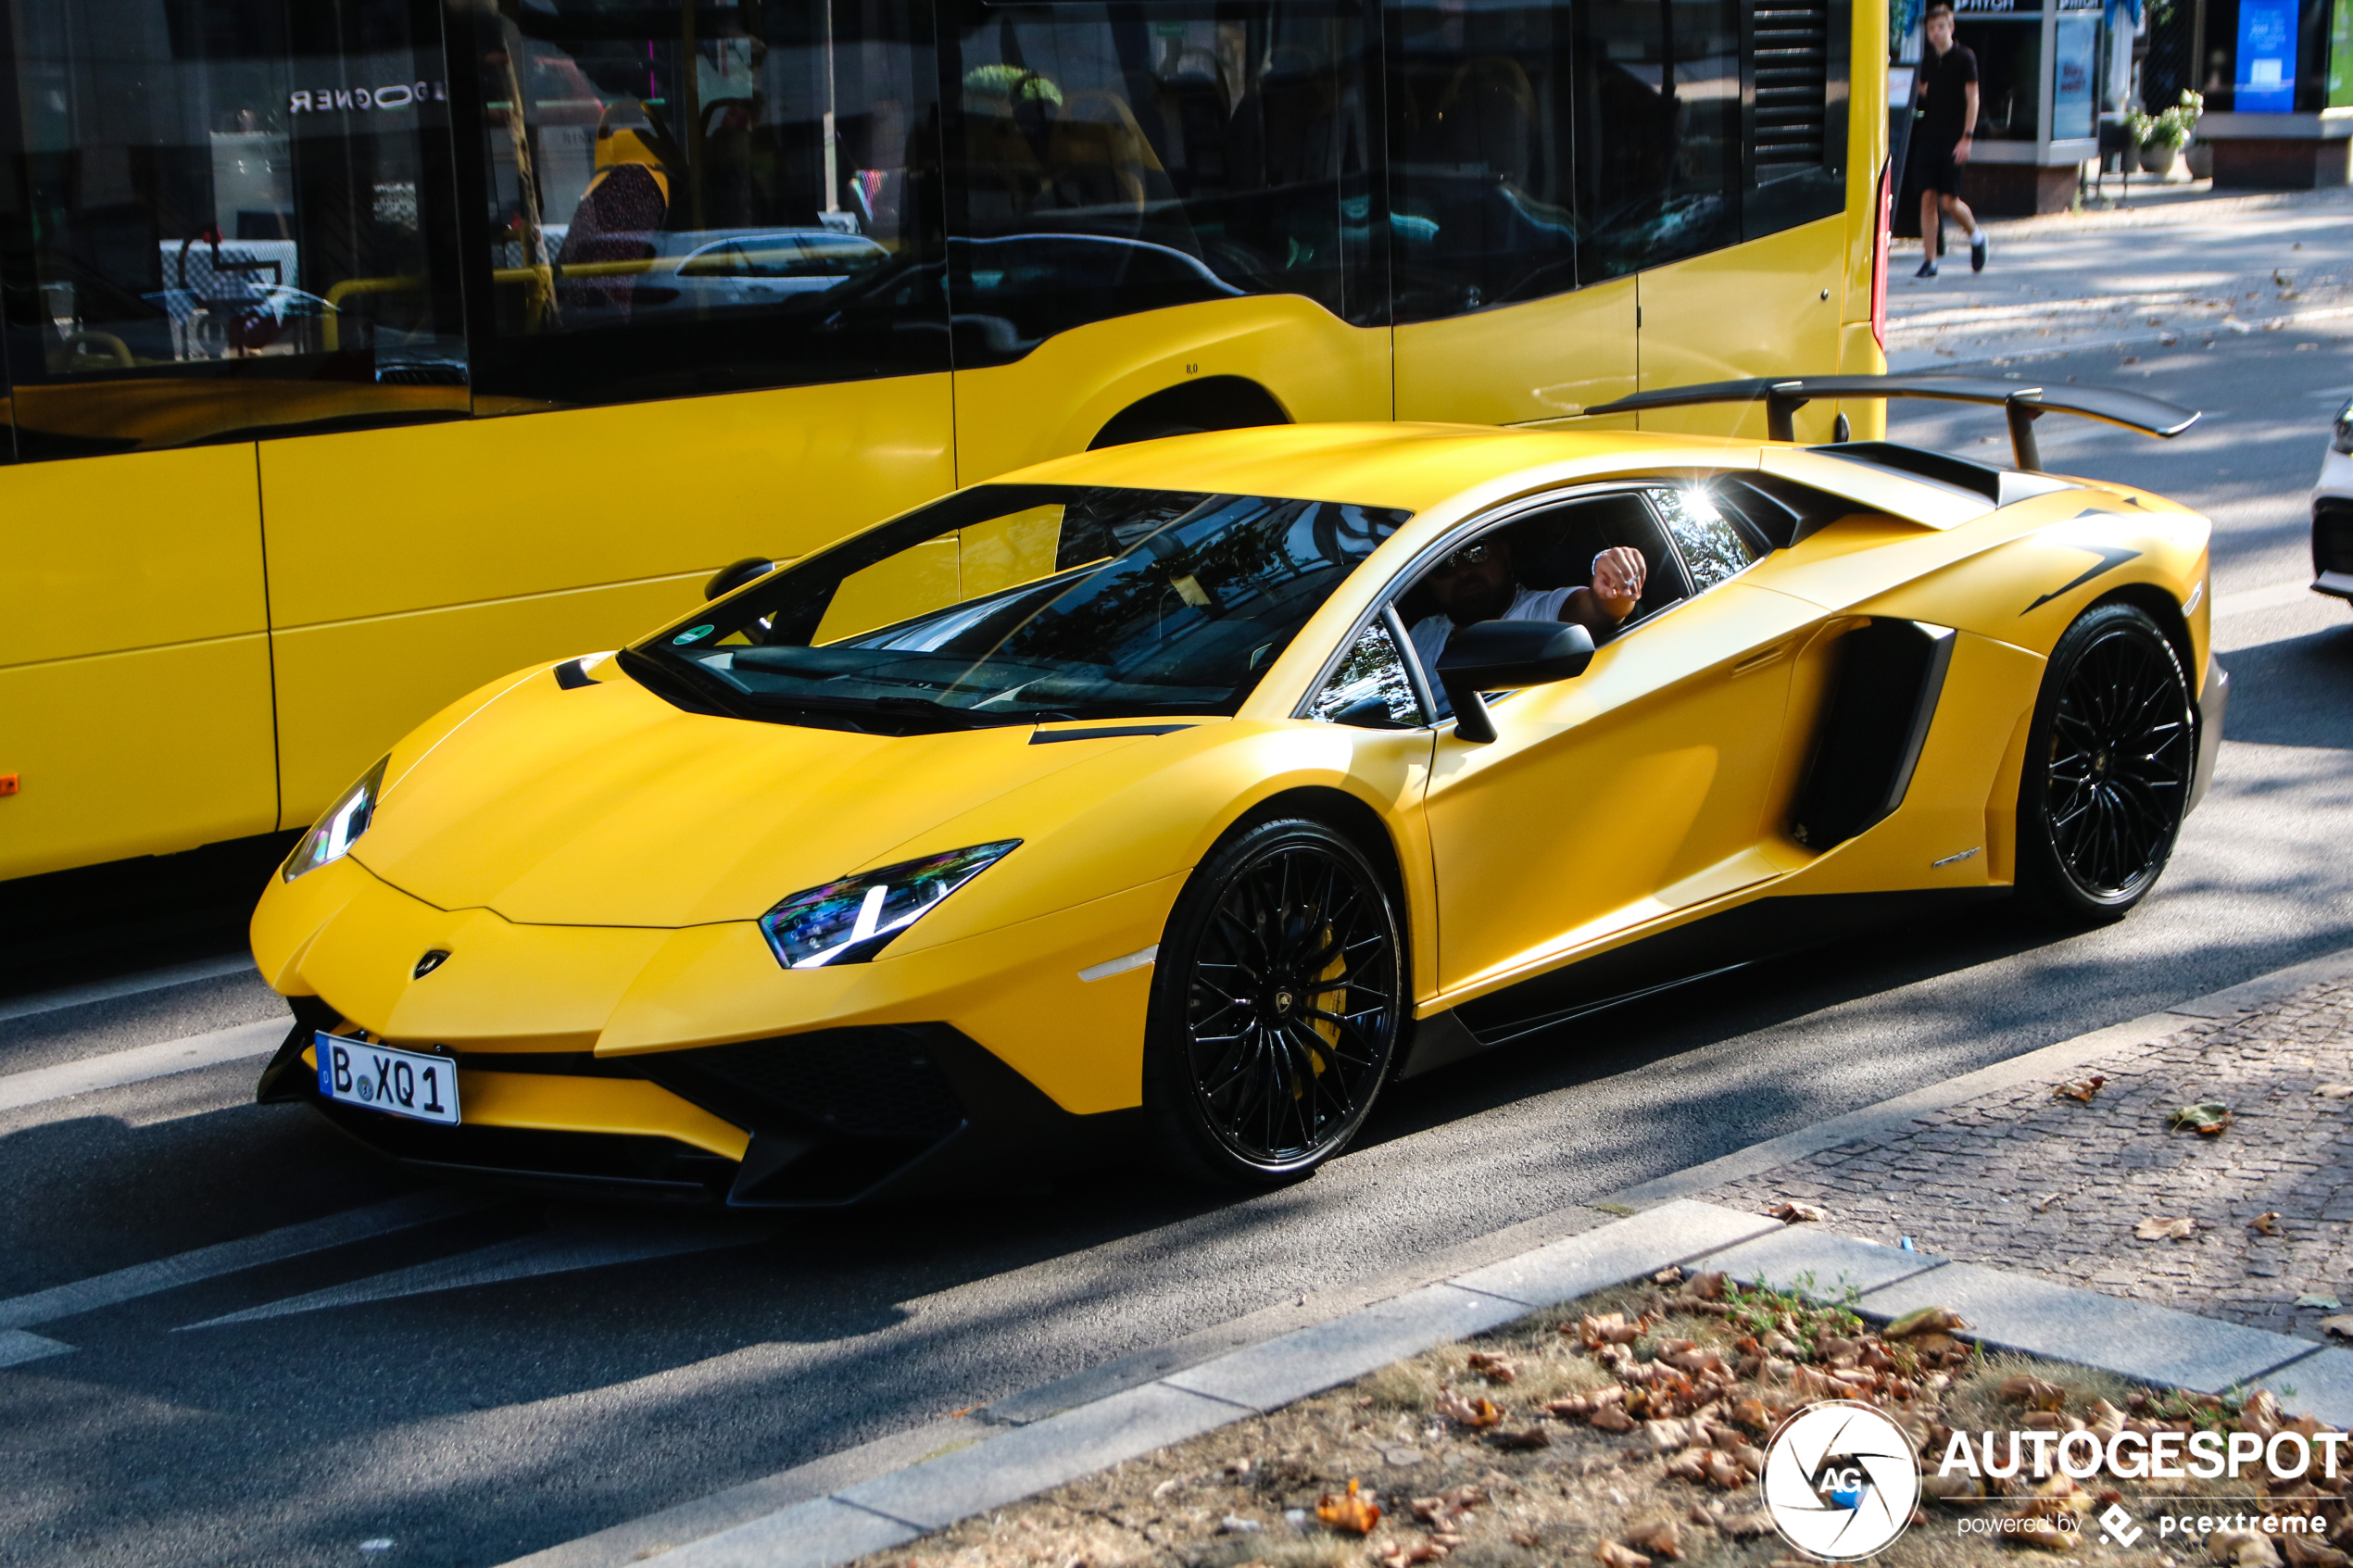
2265	72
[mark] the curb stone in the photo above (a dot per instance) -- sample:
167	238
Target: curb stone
896	1490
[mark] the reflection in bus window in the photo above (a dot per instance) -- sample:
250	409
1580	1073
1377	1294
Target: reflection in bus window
1658	131
226	222
1110	159
696	197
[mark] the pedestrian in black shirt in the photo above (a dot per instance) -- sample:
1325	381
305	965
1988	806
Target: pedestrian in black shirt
1941	141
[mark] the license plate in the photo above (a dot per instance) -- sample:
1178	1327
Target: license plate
379	1078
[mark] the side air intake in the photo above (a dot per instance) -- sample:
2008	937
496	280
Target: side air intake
1884	685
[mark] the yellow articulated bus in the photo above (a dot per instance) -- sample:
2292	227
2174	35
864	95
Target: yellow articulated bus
360	351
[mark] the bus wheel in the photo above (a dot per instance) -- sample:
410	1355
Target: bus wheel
1212	403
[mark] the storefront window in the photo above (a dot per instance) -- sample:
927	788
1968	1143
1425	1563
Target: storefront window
1112	158
227	219
700	197
2010	64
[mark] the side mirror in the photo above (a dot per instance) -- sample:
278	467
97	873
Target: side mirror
736	575
1367	713
1499	655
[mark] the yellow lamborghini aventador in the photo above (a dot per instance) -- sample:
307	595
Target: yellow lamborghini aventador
1183	795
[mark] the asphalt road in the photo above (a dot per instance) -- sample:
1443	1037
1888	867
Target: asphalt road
469	1388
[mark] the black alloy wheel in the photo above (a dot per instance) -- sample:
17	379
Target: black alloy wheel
1277	1005
2109	766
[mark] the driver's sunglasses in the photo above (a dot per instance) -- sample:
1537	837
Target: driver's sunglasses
1470	555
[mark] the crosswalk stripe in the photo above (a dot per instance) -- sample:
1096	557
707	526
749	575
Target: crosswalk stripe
229	1257
67	1079
98	991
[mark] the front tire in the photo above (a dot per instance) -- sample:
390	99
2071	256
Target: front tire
1277	1006
2108	763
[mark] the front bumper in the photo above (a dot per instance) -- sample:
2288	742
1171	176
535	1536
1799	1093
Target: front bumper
812	1120
2214	703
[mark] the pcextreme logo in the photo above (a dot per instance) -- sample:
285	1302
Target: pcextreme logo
1839	1481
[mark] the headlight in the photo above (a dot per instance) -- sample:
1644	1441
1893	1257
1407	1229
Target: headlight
2341	437
331	836
852	919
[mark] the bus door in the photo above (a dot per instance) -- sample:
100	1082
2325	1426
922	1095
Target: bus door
1511	306
1160	221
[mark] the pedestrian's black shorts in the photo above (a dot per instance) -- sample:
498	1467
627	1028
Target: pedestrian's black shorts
1934	168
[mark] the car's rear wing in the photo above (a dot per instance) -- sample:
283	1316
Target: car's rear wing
2023	402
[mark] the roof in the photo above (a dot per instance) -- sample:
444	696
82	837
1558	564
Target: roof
1413	466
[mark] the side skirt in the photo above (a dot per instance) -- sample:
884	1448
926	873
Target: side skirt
1767	928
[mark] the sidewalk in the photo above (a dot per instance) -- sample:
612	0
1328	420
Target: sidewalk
2178	273
2055	1188
1960	1168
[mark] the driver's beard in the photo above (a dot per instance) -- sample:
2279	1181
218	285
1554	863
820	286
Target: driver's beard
1486	605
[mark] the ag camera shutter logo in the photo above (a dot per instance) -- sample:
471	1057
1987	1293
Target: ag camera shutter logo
1841	1481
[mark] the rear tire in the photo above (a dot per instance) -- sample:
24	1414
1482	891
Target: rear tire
2108	763
1277	1006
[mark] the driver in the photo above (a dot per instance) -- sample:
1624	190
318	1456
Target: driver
1476	584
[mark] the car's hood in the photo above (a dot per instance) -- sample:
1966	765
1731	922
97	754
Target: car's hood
606	806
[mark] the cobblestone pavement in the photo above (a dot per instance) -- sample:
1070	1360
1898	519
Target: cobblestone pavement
2025	1181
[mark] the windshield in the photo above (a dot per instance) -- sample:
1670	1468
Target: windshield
1012	604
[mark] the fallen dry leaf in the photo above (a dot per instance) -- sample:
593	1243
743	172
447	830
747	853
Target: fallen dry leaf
2035	1393
2208	1119
1791	1211
1351	1511
1662	1539
1495	1369
1479	1414
1671	1275
1742	1526
1613	1418
1951	1488
2335	1091
2082	1088
2304	1553
1609	1554
1927	1320
2265	1225
2157	1227
1410	1553
2242	1548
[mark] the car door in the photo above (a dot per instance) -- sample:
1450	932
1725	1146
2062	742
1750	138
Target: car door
1636	789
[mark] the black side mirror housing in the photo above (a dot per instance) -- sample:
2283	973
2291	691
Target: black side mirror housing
736	575
1367	713
1501	655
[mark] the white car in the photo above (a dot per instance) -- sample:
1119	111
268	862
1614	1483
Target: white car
2332	513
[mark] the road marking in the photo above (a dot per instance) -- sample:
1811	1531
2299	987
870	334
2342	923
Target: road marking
129	986
142	1063
17	1347
567	1246
230	1256
2248	600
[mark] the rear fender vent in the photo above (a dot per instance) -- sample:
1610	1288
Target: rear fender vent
1883	688
1793	58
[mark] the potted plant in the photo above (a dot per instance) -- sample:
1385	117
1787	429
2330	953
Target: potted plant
2162	137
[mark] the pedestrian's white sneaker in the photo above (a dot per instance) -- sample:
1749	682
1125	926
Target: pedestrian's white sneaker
1977	251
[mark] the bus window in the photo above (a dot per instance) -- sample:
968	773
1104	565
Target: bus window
688	199
1481	176
1658	112
1110	159
227	222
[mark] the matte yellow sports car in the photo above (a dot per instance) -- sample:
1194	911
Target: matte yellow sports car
1180	796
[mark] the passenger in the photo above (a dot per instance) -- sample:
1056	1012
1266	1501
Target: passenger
1476	584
